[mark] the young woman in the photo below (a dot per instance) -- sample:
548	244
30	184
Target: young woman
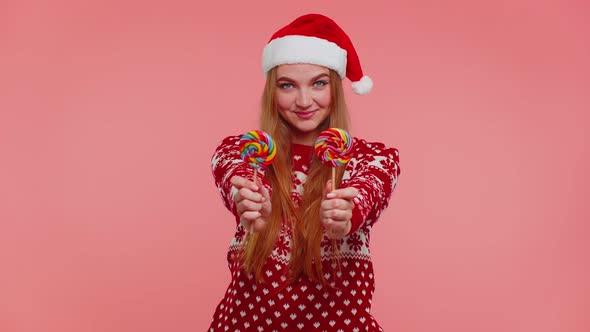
306	265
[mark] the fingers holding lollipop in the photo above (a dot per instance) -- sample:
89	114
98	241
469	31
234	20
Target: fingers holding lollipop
252	200
334	148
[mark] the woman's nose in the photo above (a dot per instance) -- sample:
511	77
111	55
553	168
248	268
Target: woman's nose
304	99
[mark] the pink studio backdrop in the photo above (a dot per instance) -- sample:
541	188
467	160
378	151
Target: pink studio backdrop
110	111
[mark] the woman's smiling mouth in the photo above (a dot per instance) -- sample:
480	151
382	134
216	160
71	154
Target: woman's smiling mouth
305	115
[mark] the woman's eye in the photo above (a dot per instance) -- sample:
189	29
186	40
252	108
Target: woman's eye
320	83
285	85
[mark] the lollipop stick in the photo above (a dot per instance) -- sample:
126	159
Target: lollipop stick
333	178
255	182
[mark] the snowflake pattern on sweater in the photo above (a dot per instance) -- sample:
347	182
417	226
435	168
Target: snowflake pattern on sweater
277	305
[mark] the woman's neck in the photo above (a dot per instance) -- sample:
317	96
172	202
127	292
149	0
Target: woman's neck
305	138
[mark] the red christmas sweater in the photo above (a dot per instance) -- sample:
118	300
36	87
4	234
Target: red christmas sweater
277	305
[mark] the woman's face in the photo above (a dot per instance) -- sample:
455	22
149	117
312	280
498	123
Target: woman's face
303	99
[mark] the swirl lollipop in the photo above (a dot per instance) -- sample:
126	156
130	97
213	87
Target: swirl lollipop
334	148
258	149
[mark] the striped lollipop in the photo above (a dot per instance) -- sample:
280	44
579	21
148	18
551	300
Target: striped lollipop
258	149
334	148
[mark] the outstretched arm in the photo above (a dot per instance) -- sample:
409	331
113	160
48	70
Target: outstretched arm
374	173
226	164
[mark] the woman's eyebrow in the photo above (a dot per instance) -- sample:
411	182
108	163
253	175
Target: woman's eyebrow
283	78
315	78
318	77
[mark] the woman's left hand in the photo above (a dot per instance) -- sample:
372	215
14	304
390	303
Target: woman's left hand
336	210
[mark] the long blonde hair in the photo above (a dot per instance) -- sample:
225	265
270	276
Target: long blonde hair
304	220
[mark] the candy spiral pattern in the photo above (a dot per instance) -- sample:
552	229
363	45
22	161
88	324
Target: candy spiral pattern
258	149
334	147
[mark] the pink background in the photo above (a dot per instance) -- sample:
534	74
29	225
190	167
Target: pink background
110	111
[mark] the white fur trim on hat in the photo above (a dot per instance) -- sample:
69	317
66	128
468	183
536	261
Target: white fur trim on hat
363	86
304	49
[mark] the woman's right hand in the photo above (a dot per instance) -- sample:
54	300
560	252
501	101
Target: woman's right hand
252	203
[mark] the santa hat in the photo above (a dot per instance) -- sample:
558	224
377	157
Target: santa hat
316	39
